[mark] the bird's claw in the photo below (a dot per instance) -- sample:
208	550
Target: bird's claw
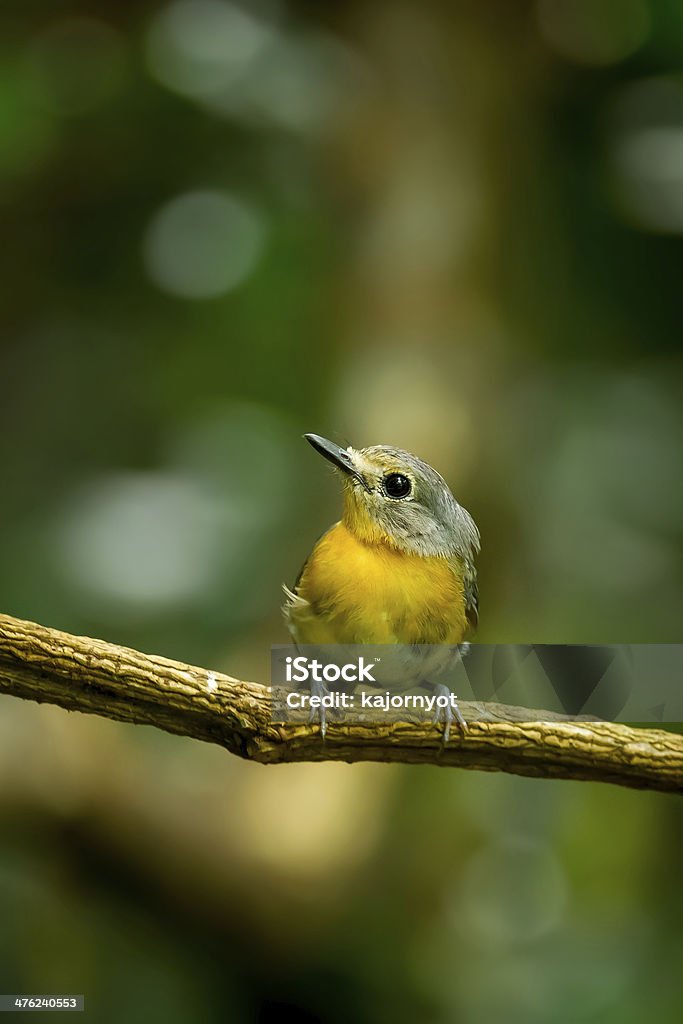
449	714
319	689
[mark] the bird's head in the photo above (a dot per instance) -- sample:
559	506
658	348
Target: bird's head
392	497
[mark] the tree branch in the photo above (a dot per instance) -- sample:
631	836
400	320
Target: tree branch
100	678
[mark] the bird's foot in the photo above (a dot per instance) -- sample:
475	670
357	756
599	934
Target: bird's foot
319	689
449	713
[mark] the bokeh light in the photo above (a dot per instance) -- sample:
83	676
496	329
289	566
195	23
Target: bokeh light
148	539
248	65
303	83
595	32
200	47
646	152
203	244
512	892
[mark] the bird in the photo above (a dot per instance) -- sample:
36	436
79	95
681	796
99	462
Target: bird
398	568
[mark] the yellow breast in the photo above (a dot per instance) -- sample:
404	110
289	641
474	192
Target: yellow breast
354	592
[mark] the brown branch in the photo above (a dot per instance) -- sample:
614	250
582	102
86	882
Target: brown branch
100	678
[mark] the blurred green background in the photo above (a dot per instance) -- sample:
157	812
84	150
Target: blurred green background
452	227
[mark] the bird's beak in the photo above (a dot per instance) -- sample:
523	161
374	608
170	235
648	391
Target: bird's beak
339	457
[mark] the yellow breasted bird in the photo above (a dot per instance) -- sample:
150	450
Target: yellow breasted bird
397	569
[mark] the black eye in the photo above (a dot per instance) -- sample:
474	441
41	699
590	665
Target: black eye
396	485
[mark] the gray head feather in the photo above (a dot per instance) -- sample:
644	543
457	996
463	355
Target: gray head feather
428	521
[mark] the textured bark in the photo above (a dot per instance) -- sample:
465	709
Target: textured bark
81	674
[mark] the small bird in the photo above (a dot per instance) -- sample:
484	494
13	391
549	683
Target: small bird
397	569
